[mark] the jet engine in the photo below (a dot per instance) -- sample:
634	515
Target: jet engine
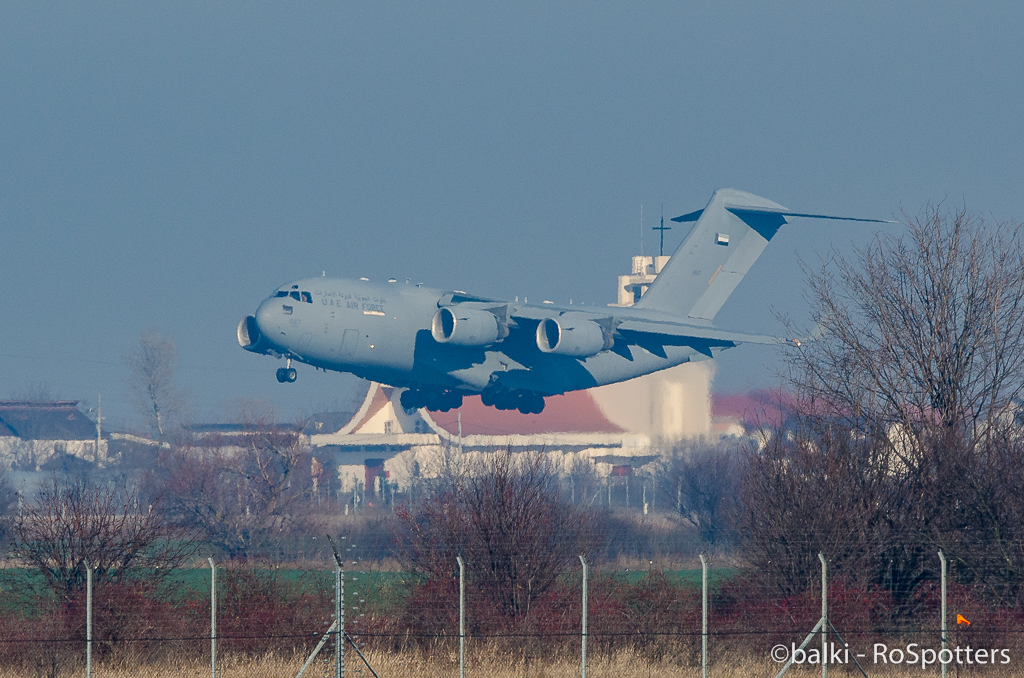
572	334
250	338
466	327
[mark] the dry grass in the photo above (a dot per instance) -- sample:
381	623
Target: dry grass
488	663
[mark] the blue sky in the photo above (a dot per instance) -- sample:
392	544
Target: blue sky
167	167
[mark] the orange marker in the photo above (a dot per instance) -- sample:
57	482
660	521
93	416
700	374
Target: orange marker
960	620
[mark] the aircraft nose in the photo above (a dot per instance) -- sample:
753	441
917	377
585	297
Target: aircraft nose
266	325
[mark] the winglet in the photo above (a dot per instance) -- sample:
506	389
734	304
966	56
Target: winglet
813	336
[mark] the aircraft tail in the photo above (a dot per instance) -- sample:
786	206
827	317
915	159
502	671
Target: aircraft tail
729	236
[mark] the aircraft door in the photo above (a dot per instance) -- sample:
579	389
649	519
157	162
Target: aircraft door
349	341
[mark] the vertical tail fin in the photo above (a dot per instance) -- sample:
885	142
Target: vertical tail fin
729	236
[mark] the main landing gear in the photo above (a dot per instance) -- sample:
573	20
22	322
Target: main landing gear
526	402
287	374
432	400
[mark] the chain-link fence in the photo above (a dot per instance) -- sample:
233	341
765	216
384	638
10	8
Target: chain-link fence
276	620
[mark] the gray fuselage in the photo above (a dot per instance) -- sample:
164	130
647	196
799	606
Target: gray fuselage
382	332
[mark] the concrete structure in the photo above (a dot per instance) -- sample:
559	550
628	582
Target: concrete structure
34	432
632	287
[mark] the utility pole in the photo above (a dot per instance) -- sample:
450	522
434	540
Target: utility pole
99	428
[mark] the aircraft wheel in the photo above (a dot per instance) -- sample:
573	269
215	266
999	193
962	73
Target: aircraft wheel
291	375
411	400
282	375
531	403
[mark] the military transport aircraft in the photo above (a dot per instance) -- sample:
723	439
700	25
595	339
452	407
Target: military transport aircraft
443	345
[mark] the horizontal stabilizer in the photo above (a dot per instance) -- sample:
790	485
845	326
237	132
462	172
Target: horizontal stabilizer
741	213
694	216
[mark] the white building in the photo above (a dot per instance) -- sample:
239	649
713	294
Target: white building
34	432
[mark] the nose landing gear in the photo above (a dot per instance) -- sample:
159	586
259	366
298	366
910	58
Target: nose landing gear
287	374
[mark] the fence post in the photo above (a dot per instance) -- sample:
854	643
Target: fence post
583	650
462	617
824	616
339	616
704	617
88	620
942	560
213	618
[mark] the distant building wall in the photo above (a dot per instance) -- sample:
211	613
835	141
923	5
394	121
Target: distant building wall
31	455
669	405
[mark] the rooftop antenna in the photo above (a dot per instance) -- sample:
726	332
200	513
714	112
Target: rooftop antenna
641	229
661	228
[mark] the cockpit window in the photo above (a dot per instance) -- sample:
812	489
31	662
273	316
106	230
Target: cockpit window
296	295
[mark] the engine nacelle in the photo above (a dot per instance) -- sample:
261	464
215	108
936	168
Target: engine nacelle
573	335
465	327
250	338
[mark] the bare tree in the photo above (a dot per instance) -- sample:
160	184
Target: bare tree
705	480
8	507
507	519
33	391
903	435
242	495
808	492
922	335
152	364
71	522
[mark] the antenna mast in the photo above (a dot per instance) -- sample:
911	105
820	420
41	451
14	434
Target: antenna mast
641	229
661	228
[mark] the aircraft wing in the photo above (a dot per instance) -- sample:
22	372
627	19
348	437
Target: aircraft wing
674	331
653	336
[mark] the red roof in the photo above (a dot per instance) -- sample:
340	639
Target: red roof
753	407
574	412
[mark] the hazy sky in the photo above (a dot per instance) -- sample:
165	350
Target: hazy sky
167	167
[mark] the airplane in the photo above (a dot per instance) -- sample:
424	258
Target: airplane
443	345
